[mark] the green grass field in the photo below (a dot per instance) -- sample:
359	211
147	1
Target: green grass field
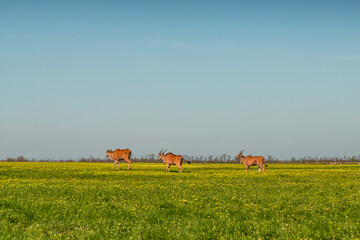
207	201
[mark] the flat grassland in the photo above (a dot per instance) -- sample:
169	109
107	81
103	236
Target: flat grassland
207	201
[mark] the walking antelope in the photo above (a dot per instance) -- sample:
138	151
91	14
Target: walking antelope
171	159
251	161
119	154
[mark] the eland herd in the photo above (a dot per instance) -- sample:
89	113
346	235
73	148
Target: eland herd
172	159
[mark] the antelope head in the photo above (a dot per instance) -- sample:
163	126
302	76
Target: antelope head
161	154
240	156
108	152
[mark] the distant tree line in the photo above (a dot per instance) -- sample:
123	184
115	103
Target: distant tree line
223	158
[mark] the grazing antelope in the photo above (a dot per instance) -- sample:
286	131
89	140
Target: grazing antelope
251	161
118	155
171	159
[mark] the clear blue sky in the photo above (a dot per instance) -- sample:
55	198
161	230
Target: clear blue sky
278	78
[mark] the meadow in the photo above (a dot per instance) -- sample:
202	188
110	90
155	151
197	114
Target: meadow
206	201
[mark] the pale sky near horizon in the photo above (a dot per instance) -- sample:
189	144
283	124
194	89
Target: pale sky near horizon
278	78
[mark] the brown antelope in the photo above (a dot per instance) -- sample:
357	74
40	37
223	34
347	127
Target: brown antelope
171	159
119	154
251	161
